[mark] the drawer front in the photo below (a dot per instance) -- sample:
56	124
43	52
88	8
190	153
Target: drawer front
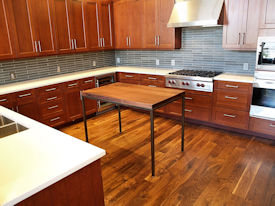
132	76
87	83
129	81
50	97
234	100
230	118
25	96
202	114
6	100
52	107
51	89
198	100
72	85
233	86
153	83
55	119
262	126
152	78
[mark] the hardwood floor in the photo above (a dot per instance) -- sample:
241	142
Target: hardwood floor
217	167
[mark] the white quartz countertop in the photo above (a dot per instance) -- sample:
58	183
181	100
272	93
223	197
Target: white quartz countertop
37	158
31	84
235	78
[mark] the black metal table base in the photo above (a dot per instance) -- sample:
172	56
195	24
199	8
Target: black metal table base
152	127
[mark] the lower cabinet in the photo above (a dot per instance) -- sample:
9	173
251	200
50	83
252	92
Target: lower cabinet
90	105
262	126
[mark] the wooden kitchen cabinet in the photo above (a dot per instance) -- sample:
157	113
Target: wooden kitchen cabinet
262	126
156	33
130	78
90	105
6	42
241	24
128	17
6	100
267	22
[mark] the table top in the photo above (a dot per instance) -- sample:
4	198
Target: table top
134	95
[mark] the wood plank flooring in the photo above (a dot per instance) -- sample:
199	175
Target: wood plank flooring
217	167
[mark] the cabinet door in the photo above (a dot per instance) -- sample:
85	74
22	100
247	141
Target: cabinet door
135	17
28	109
73	102
19	10
90	105
106	25
42	23
250	29
6	49
150	24
121	24
62	29
166	35
268	15
92	24
233	22
77	24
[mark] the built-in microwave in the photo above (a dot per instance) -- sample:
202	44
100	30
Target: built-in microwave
266	54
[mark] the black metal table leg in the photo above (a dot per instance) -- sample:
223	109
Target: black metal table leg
84	117
182	124
119	118
152	142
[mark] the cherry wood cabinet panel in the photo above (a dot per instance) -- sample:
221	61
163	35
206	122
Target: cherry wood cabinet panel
268	15
90	105
77	24
150	24
106	23
152	78
51	89
42	22
230	117
262	126
121	25
92	25
233	100
197	113
62	30
23	27
72	99
233	86
52	107
123	75
203	101
152	83
6	42
6	101
54	119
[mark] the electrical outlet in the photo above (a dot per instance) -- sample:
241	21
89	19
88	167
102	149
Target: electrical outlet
245	66
118	60
13	76
58	70
157	62
173	62
94	63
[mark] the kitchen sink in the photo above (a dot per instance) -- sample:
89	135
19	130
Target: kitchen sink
9	127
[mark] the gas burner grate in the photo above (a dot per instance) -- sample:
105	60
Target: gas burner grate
198	73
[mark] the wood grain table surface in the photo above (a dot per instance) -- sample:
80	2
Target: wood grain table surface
133	95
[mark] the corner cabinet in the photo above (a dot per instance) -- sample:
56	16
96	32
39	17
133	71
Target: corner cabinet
156	33
241	19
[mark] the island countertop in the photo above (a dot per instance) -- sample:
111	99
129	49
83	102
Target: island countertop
38	157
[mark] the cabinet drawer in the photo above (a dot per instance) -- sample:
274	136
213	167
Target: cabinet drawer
53	96
87	83
25	96
230	117
52	107
262	126
132	76
153	83
233	86
72	85
51	89
198	100
233	100
55	119
152	78
202	114
6	100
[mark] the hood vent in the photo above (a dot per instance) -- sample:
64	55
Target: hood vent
194	13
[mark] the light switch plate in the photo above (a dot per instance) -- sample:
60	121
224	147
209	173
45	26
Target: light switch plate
58	70
173	62
245	66
13	76
157	62
118	60
94	63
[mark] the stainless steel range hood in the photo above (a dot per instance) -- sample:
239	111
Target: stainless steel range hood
194	13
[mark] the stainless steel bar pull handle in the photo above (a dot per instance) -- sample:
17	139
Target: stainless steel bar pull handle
51	89
272	125
234	98
155	40
35	45
75	45
152	86
239	40
129	41
25	95
88	81
152	78
39	45
229	115
103	42
243	38
52	98
130	76
54	119
188	110
72	85
53	107
3	100
158	40
231	86
188	98
72	41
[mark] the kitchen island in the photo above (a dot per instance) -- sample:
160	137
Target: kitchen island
43	166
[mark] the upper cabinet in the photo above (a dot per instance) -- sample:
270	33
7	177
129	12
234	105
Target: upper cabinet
128	17
267	24
156	33
241	27
32	26
6	48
